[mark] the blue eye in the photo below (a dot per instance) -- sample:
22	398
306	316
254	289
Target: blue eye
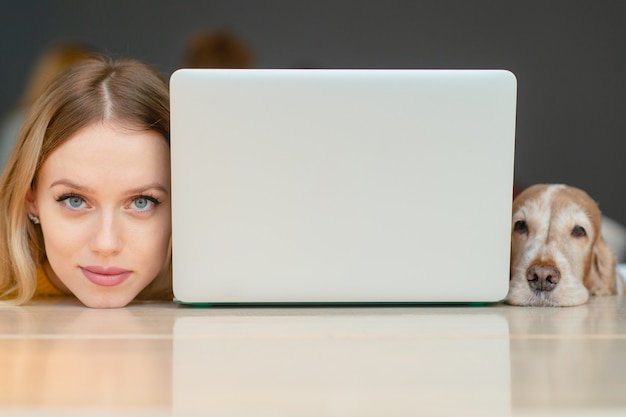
75	202
144	203
72	201
141	203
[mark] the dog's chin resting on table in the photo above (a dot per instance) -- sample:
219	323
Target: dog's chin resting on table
558	255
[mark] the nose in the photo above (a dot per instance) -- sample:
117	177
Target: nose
107	238
543	277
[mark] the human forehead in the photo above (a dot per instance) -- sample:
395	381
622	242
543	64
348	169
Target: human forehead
112	152
109	134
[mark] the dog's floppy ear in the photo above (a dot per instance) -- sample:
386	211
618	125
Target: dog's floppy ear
601	277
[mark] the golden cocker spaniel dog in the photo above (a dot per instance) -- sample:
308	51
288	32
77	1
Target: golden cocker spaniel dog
558	255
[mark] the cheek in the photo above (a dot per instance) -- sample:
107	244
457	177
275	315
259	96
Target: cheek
150	243
159	248
61	238
64	248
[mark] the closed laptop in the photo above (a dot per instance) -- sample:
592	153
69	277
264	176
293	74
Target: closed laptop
341	186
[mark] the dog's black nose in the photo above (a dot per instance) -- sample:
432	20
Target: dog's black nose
543	277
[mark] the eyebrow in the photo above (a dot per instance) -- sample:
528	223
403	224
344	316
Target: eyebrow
151	186
137	190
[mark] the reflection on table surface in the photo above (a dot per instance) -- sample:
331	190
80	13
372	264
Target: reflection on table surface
59	358
366	364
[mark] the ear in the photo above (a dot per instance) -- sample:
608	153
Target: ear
601	277
31	203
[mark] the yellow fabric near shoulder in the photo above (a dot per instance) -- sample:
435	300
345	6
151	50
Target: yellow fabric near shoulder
44	286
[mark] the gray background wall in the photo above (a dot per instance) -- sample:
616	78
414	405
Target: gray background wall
569	58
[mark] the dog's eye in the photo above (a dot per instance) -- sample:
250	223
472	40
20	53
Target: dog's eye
579	231
521	226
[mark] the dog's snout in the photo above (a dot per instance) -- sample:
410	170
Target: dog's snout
543	277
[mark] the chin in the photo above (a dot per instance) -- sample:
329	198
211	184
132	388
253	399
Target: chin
105	301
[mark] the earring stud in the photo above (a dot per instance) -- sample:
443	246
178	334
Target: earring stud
33	218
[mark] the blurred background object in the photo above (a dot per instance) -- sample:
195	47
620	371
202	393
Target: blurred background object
50	63
217	49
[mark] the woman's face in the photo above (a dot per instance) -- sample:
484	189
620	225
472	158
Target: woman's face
103	199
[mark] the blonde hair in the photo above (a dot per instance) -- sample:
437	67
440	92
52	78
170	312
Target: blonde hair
125	91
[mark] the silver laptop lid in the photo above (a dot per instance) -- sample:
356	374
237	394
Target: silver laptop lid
341	185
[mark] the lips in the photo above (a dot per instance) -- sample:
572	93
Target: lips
105	276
